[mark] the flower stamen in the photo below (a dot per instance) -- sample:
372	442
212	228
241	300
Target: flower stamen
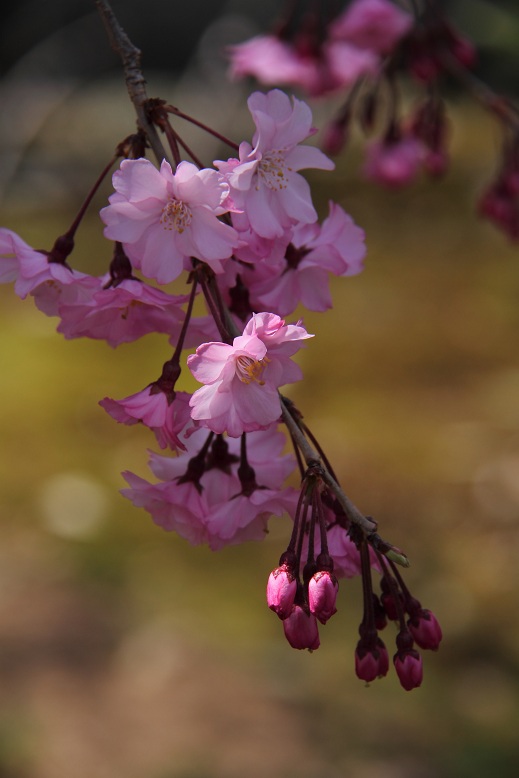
176	216
249	370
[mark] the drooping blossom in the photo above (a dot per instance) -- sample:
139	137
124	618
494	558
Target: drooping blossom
264	181
302	277
30	268
166	417
270	60
321	68
377	25
195	494
122	313
162	218
241	380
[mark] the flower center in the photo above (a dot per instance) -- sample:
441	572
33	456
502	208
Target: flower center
272	169
176	216
248	369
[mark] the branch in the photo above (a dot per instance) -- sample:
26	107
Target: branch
131	58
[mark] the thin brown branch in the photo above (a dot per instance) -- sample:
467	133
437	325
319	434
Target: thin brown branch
131	58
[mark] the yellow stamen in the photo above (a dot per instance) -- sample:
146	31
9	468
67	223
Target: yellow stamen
248	369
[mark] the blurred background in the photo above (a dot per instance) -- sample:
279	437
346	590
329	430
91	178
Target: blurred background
124	651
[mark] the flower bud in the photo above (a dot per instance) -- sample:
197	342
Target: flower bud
372	662
408	666
322	595
425	629
281	591
301	629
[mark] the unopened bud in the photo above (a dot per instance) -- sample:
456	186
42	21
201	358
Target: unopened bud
301	629
408	666
322	595
281	591
425	629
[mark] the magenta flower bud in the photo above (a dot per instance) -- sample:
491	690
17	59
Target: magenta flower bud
281	591
371	663
301	629
425	629
322	595
408	666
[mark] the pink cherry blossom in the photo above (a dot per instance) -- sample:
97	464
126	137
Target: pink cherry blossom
264	181
343	551
241	380
164	218
30	268
270	60
345	64
331	66
336	247
394	163
152	407
202	509
372	24
122	313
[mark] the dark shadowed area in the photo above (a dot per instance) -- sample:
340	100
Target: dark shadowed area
123	650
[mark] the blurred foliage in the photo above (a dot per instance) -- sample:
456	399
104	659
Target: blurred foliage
123	651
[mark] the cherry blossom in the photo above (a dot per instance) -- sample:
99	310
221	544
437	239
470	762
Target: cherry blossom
394	163
166	417
377	25
271	61
336	247
264	180
122	313
30	268
205	503
241	380
163	218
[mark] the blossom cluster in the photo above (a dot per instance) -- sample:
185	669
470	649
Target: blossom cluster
379	58
245	234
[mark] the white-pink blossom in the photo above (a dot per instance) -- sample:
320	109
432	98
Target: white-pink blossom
241	380
264	181
163	218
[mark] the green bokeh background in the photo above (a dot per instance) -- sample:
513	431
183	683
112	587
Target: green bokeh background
124	651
